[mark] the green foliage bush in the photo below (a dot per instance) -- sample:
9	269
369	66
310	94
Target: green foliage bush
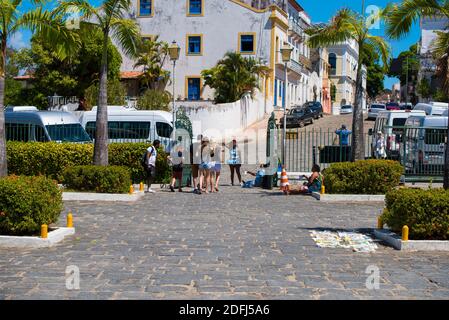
363	177
425	212
28	202
108	179
51	159
154	100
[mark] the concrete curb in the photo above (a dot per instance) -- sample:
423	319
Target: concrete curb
101	197
36	242
352	198
396	242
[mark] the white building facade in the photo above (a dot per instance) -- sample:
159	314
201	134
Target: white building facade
428	36
343	61
207	29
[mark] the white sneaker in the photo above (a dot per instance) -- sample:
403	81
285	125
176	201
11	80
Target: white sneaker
150	191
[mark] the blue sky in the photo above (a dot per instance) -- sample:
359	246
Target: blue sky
318	10
322	11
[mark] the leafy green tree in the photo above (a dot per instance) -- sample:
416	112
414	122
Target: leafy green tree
424	89
12	20
154	100
65	77
400	18
350	25
151	56
116	94
375	72
111	19
233	76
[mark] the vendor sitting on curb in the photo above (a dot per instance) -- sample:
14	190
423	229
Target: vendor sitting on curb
259	177
313	184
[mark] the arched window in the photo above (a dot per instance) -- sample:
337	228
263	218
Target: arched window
333	64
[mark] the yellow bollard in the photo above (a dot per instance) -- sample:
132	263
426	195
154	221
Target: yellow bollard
141	188
380	224
44	231
323	189
404	233
131	189
70	220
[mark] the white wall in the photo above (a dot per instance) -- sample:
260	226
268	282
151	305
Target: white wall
226	120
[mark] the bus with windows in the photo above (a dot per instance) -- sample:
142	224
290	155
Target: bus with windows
131	125
28	124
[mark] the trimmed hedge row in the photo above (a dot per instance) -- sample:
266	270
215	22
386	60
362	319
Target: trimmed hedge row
363	177
425	212
110	179
28	202
51	159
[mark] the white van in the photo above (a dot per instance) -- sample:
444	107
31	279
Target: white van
27	123
390	124
432	108
131	125
424	144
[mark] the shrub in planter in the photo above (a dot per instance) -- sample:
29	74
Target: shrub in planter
363	177
101	179
28	202
425	212
50	159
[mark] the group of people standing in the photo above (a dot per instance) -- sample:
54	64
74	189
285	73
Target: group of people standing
206	159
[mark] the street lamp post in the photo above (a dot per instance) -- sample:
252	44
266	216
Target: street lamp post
173	52
286	52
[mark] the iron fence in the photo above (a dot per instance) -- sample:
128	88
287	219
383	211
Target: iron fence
420	150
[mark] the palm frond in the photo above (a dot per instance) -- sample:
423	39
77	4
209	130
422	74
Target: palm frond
380	46
51	26
343	26
127	35
401	17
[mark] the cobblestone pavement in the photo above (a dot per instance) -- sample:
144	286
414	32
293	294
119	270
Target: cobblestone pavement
235	244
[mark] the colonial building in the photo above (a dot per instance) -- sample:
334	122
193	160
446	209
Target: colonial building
207	29
427	63
343	61
320	65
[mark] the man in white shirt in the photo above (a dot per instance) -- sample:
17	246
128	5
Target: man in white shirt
151	164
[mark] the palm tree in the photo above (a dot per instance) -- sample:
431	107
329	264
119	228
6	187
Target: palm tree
152	55
233	76
49	24
111	19
400	19
348	25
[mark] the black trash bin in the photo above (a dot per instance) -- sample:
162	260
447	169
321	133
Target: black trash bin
267	182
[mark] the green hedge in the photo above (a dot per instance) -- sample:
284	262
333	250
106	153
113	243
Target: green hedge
28	202
425	212
110	179
363	177
51	159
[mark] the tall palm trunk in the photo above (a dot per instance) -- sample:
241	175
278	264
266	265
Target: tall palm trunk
446	162
101	134
358	139
3	162
445	67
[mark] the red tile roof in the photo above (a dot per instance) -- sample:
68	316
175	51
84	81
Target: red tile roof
130	74
24	77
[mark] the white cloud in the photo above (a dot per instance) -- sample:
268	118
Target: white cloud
17	41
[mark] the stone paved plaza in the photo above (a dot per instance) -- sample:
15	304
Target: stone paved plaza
237	244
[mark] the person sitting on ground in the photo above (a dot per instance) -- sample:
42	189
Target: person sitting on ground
259	177
314	182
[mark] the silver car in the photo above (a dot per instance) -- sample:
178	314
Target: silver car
347	109
374	110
